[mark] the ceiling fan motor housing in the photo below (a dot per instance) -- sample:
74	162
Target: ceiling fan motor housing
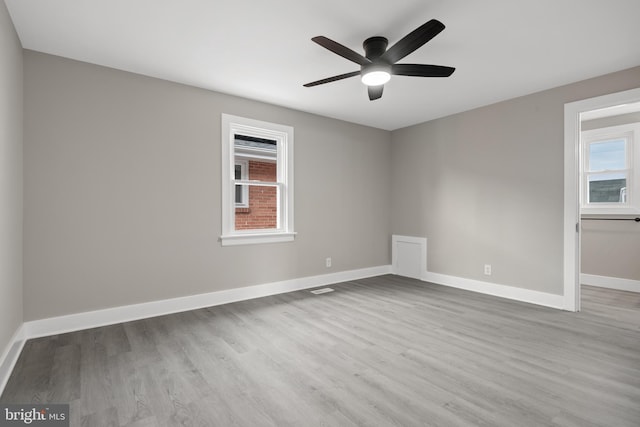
374	47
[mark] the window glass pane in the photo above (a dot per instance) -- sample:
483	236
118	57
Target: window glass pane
263	209
261	155
238	194
607	188
607	155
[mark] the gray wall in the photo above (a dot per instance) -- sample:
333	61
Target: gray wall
486	186
122	191
10	179
611	248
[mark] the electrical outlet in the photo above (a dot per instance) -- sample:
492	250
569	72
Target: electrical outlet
487	269
328	262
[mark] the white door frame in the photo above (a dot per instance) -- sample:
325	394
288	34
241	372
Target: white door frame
572	113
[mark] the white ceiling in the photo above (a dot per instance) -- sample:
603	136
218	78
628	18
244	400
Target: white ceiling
262	49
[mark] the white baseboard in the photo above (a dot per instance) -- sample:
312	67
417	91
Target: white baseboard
110	316
503	291
610	282
10	356
411	260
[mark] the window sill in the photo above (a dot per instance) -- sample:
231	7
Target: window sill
609	211
256	238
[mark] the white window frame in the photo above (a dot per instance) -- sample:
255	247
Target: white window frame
283	135
631	134
244	176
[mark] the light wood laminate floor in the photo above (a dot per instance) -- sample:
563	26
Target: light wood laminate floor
385	351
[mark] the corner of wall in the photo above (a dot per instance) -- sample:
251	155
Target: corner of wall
11	193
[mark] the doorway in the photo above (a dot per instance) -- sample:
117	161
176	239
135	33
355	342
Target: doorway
572	157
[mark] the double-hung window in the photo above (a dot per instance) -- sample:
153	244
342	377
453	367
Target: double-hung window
610	179
257	181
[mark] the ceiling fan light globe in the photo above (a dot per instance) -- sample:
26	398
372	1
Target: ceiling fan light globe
376	78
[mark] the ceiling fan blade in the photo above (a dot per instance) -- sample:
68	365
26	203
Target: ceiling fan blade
375	92
421	70
413	41
333	79
341	50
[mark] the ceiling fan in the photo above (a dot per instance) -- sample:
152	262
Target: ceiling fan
379	63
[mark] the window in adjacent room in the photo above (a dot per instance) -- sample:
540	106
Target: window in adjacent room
257	181
610	182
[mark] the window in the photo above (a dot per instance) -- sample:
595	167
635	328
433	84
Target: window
257	181
241	191
609	182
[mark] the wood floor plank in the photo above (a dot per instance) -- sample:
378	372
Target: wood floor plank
64	384
131	399
383	351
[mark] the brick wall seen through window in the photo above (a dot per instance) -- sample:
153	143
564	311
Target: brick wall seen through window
262	211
